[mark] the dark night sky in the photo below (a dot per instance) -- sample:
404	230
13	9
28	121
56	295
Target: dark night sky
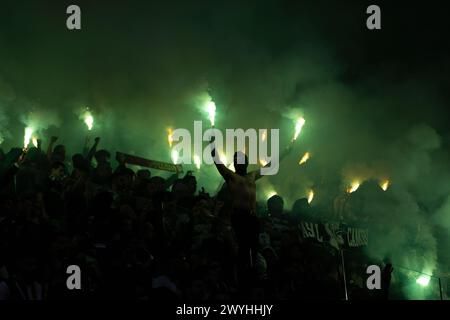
43	60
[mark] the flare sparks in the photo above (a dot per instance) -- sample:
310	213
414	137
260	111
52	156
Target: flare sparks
88	120
304	158
384	185
170	137
298	127
423	280
353	187
27	138
310	196
35	142
211	110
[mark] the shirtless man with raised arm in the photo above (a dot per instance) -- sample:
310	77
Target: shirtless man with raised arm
242	188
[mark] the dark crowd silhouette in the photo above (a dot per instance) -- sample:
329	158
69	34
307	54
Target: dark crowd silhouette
136	235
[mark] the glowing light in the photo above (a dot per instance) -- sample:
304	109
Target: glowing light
270	193
384	185
88	120
310	196
298	127
170	137
262	162
211	109
27	137
231	167
35	142
353	187
304	158
197	161
423	280
175	156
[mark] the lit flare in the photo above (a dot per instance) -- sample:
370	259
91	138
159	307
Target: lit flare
353	187
27	138
211	110
88	120
385	185
170	137
304	158
298	127
310	196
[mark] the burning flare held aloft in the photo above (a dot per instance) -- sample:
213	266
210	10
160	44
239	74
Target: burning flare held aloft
88	119
423	280
310	196
304	158
298	127
34	140
28	135
211	110
170	137
353	187
384	184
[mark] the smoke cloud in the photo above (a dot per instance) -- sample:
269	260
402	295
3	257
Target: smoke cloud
373	107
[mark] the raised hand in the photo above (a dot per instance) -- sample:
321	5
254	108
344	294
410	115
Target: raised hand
22	157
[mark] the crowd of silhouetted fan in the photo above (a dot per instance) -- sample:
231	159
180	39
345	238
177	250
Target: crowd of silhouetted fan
136	235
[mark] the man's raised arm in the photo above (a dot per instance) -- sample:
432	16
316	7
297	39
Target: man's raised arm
92	151
223	170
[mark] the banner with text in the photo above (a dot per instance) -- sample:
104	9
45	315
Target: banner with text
336	234
138	161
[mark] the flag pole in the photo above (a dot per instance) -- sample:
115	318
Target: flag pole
343	273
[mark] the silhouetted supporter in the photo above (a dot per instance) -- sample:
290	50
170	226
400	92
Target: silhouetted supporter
137	235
